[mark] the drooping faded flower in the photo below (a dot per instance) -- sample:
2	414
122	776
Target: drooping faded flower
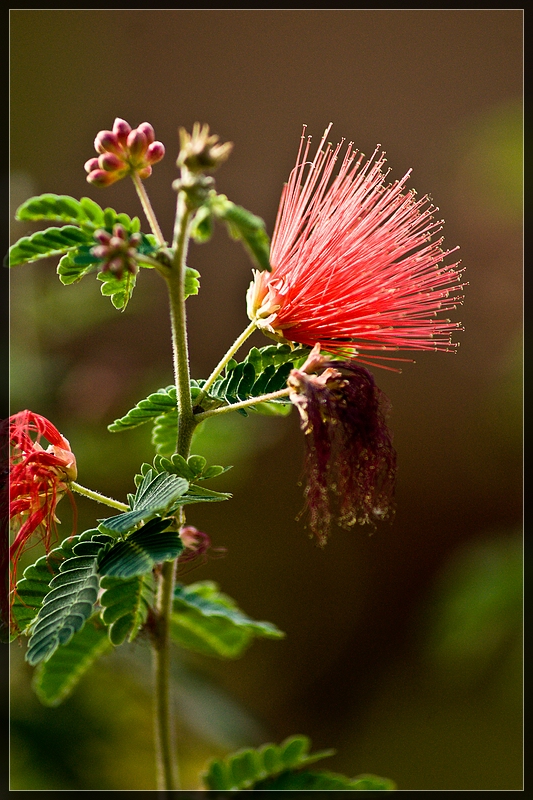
123	151
197	549
38	479
350	461
355	265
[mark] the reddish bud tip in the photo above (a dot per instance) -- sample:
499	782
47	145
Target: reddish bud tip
91	164
99	177
121	128
148	131
110	162
155	152
107	141
102	236
137	144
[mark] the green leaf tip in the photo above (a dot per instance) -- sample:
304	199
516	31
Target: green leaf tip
206	621
281	767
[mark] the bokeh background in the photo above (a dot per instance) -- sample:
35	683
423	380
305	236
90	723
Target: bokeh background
403	648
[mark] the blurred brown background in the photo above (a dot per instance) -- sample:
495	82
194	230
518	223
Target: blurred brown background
402	648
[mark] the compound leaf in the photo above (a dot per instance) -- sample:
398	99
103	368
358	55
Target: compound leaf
61	208
209	622
154	497
69	603
55	679
125	604
146	547
50	242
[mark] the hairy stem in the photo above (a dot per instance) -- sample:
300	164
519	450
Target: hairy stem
167	768
239	341
147	208
252	401
97	497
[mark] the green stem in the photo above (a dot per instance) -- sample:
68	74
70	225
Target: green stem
97	497
252	401
239	341
167	768
147	208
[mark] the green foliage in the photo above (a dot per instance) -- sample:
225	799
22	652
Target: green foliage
51	242
209	622
272	767
65	609
141	551
76	240
241	224
155	496
161	402
119	289
192	282
125	604
55	679
245	768
195	468
263	371
324	781
61	208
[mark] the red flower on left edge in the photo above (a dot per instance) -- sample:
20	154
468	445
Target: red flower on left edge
38	479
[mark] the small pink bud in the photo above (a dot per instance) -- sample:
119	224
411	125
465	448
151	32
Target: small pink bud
110	162
155	152
107	141
120	232
116	265
148	131
99	177
102	236
135	239
100	250
91	164
137	144
121	128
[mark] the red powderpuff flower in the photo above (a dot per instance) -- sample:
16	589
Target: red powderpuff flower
38	479
354	263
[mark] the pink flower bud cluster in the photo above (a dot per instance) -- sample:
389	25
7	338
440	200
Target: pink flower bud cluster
124	151
117	250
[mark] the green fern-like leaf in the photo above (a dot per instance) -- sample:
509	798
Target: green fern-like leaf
156	496
126	603
55	679
146	547
192	282
246	227
209	622
61	208
246	768
35	582
303	780
70	601
161	402
119	289
50	242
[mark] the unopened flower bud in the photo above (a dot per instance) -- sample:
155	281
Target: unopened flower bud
91	165
124	151
155	152
107	142
110	162
121	129
136	144
148	131
100	177
201	152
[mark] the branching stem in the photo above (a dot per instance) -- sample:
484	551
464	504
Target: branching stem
97	497
252	401
239	341
147	208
